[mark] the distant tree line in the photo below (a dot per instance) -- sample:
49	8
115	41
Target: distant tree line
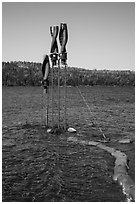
29	74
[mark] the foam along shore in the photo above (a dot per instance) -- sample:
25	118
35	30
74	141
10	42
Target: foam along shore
120	169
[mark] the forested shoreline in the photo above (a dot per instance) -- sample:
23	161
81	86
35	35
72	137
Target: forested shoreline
20	73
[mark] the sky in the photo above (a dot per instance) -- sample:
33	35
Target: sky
101	34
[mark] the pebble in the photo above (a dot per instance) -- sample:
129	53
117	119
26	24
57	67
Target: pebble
71	130
125	141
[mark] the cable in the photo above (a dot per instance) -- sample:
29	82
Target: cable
42	115
91	112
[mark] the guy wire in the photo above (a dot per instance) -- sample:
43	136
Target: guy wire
88	107
42	115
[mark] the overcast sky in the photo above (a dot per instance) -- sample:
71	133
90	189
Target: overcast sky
101	35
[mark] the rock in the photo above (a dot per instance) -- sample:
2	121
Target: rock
72	139
49	130
71	130
126	141
93	143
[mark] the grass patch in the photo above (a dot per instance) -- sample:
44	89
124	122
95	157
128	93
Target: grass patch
44	167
